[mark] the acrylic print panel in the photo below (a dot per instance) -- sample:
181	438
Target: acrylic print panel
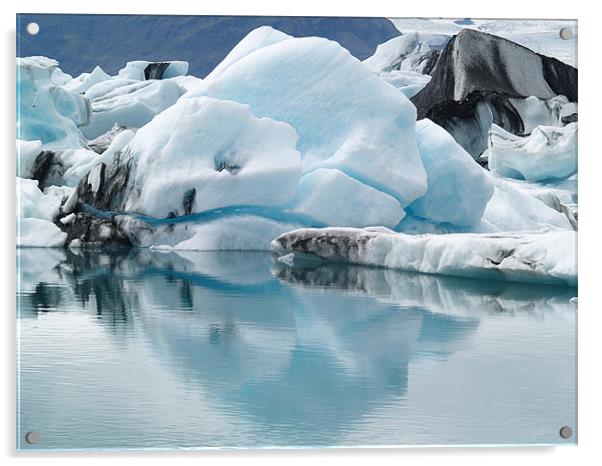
247	232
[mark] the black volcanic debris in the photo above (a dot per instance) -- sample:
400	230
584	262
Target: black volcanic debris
155	70
474	80
102	142
112	181
46	168
91	230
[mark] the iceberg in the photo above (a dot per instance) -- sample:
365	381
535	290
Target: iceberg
203	154
330	197
547	153
46	112
346	118
458	188
36	211
127	102
141	70
27	151
511	209
409	83
86	80
482	79
547	258
408	52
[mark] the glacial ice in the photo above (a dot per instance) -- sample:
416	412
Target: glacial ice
512	209
76	163
86	80
459	189
35	213
215	152
536	258
27	151
254	40
141	70
331	197
409	83
536	112
291	133
408	52
547	153
45	111
342	112
128	102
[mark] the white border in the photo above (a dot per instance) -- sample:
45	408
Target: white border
589	449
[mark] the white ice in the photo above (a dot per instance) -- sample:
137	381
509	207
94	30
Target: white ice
345	116
536	257
547	153
27	151
331	197
218	148
45	111
404	53
128	102
86	80
458	188
35	213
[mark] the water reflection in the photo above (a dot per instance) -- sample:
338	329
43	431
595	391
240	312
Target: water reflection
298	356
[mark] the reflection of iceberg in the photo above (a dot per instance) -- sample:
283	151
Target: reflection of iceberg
305	354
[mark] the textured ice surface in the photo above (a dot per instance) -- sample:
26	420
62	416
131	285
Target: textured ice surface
547	153
513	209
213	153
537	257
128	102
77	163
409	83
330	197
86	80
458	188
45	111
345	116
536	112
35	213
408	52
27	151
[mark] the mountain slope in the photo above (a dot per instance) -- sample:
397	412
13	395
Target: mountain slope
80	42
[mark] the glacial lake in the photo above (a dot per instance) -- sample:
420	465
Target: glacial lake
163	350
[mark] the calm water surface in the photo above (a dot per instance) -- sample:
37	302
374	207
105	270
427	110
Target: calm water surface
145	349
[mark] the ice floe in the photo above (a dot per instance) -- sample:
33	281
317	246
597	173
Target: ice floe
536	258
